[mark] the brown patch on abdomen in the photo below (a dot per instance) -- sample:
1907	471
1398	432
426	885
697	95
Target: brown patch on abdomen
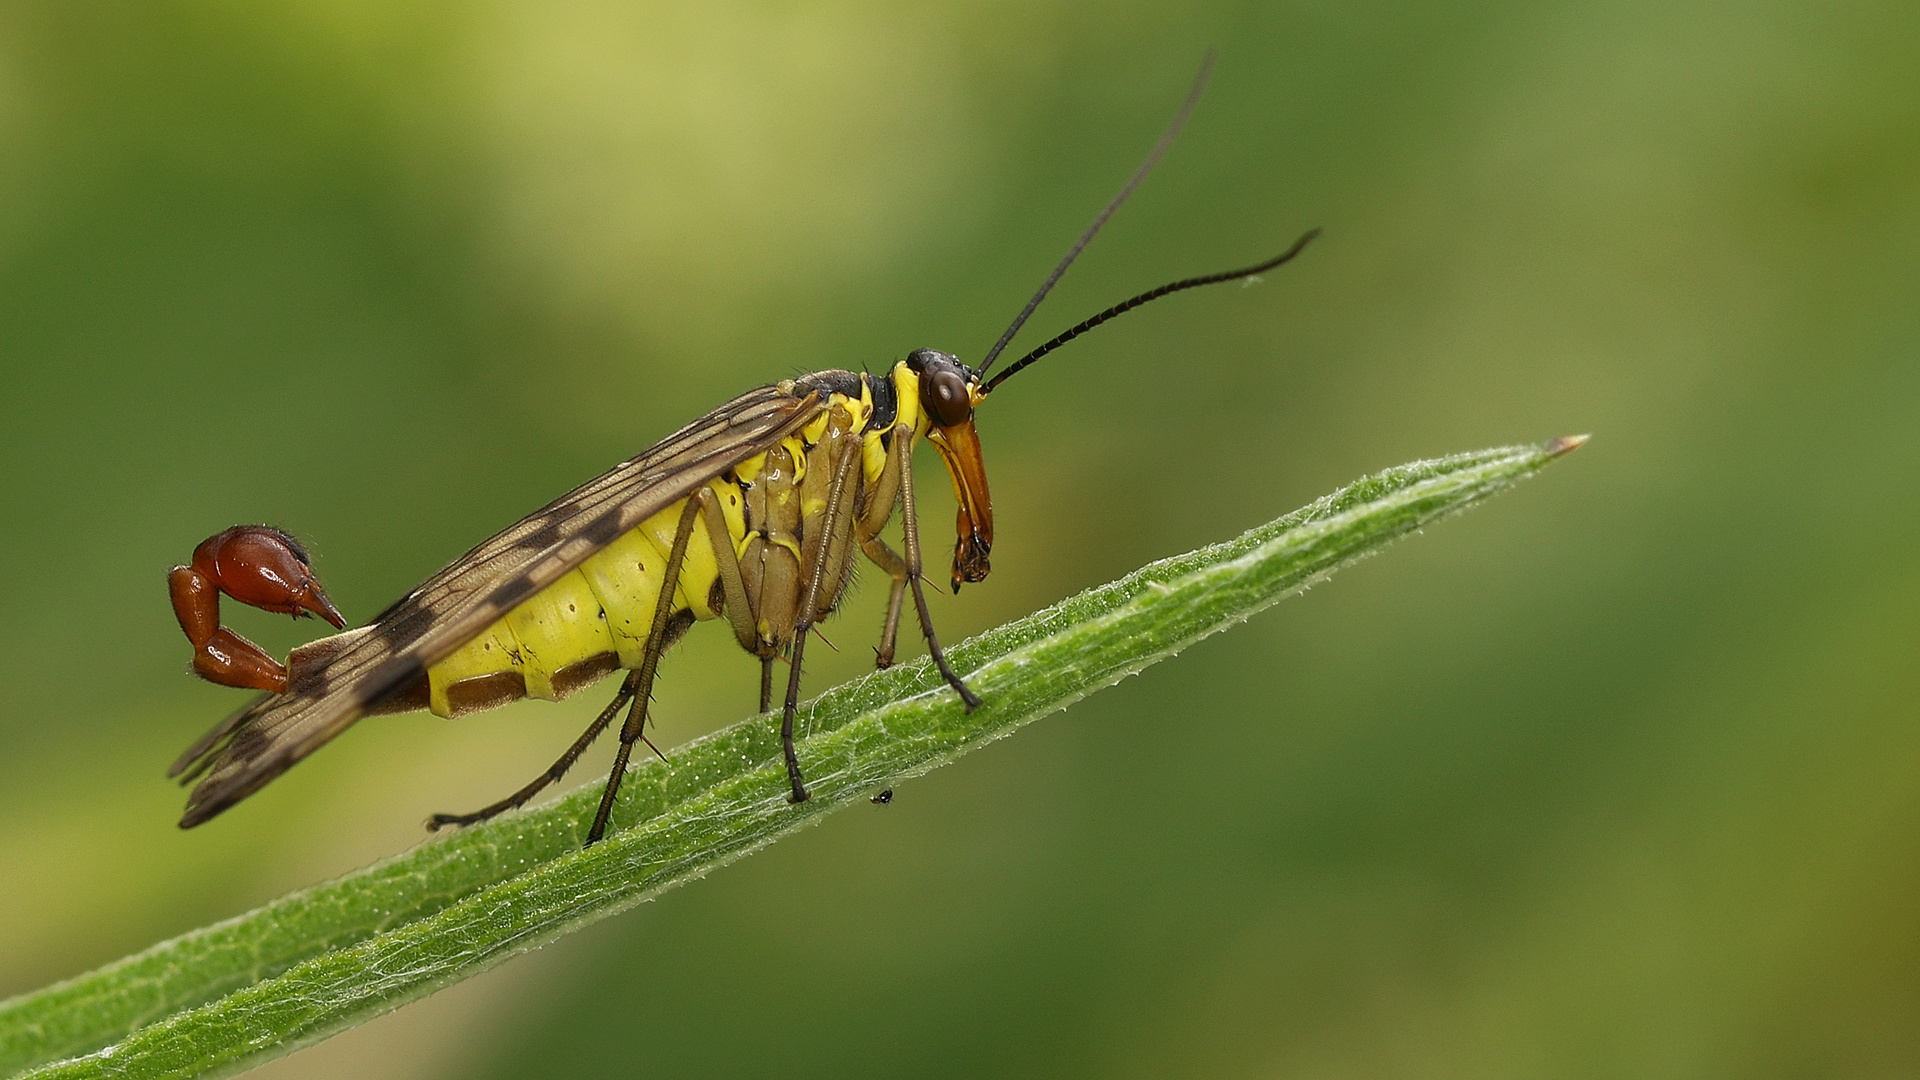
584	674
485	692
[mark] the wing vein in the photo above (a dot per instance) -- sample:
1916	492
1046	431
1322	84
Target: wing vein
375	662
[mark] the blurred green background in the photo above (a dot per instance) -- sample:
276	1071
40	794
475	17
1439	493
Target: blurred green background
1619	776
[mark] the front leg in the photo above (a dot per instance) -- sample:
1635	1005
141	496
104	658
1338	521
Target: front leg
890	561
910	525
822	570
873	517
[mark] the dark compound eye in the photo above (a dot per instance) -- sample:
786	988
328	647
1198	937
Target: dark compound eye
943	393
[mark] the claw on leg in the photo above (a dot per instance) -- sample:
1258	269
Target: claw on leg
261	567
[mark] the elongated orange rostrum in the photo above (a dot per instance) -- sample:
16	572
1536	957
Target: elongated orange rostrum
752	514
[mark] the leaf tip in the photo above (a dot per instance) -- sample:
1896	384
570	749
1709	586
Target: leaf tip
1566	445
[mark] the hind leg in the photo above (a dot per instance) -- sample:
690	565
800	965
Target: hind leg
554	771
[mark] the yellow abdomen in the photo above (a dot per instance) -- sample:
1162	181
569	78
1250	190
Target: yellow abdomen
589	622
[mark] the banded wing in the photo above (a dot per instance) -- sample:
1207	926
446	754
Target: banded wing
387	656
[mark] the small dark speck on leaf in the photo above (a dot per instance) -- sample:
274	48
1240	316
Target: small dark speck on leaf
882	799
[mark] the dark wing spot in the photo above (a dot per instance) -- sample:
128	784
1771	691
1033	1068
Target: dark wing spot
603	530
548	534
390	678
510	593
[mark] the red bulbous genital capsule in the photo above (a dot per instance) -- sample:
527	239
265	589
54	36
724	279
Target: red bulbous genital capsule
265	568
258	566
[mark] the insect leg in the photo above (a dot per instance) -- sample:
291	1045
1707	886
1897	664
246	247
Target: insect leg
823	557
874	517
911	526
890	561
554	772
649	662
877	502
740	611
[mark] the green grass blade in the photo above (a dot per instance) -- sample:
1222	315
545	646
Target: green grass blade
228	996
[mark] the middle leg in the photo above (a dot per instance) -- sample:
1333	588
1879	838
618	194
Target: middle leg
738	601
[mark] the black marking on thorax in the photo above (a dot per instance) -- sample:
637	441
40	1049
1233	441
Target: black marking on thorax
845	383
886	403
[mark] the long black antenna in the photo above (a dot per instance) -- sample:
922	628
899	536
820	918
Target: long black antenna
1152	294
1153	158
